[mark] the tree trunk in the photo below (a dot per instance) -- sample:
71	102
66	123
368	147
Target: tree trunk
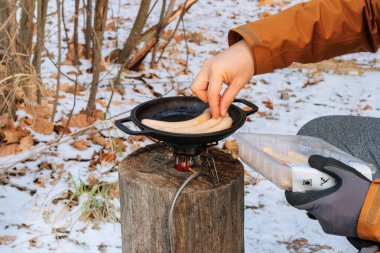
207	218
9	57
101	8
76	42
41	21
136	31
88	31
25	45
26	27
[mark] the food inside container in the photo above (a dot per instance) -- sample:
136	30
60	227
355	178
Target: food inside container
283	159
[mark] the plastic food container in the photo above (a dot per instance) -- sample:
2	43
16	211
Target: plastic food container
283	159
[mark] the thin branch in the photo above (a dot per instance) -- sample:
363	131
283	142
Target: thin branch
59	61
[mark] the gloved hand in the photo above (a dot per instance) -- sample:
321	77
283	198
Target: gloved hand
337	209
234	67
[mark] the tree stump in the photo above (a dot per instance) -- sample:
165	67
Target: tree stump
207	218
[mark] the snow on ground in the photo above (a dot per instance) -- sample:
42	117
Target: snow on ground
271	224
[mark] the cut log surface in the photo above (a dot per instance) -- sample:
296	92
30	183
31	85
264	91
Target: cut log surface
207	218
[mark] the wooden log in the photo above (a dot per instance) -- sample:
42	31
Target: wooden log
207	218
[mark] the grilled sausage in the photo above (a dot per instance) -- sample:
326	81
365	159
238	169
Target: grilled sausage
158	124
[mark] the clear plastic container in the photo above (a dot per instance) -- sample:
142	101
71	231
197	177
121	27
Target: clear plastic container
283	159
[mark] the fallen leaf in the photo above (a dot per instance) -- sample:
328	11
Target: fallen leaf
4	119
80	144
110	27
6	239
268	104
107	158
231	147
266	2
59	230
79	120
99	140
11	149
367	107
40	125
40	181
92	180
10	136
133	138
26	143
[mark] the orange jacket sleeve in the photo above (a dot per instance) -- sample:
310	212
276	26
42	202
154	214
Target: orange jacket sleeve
369	219
311	32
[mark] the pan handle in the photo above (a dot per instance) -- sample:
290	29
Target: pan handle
247	103
120	124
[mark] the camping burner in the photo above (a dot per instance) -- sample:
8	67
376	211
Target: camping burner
196	157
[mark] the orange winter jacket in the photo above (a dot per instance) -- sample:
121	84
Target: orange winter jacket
312	32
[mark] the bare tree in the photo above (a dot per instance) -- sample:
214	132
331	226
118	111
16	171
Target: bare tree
41	21
76	42
25	44
88	30
59	35
101	7
136	31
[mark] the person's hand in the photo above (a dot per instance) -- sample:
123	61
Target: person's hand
337	209
234	67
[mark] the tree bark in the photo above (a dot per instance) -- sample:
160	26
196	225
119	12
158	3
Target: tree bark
41	21
101	8
76	42
25	45
88	30
9	57
136	31
207	218
59	60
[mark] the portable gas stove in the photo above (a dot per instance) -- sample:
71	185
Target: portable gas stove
189	151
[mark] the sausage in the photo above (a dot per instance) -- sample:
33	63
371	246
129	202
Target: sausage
158	124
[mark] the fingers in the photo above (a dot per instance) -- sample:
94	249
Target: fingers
228	97
200	84
213	93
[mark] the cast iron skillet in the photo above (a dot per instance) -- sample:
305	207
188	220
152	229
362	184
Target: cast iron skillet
181	108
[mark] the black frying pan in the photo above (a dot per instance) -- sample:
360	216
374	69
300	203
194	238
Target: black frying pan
178	109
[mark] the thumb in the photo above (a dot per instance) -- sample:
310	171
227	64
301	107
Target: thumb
334	168
228	97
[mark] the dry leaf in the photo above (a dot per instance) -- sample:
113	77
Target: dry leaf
40	181
118	103
80	144
92	180
107	158
367	107
11	149
266	2
101	102
268	104
133	138
6	239
4	120
79	120
99	140
110	27
10	136
41	125
231	147
26	143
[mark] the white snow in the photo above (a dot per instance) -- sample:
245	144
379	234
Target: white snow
266	226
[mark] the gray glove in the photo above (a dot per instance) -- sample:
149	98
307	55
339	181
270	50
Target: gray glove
337	209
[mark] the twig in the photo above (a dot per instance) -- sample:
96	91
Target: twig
72	109
175	29
186	45
59	61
